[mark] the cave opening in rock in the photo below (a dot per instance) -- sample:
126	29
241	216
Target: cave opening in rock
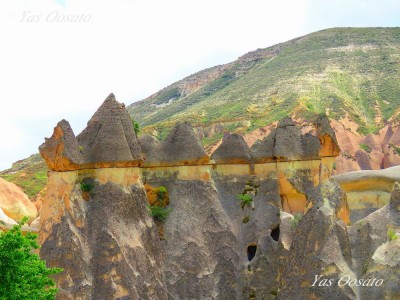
251	252
275	233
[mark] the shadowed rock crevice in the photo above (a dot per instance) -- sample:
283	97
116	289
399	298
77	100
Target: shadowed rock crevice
251	252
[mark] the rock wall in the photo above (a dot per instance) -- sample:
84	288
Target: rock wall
95	223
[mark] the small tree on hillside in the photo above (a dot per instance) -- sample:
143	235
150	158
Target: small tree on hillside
23	275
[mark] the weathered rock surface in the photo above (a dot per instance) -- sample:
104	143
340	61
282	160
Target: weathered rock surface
320	247
181	147
287	142
233	150
109	139
15	204
368	190
376	252
108	245
233	229
61	151
327	137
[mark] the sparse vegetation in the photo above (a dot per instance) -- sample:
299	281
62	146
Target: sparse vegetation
86	186
245	200
339	69
136	126
30	175
295	221
366	148
246	220
396	149
159	213
392	234
161	192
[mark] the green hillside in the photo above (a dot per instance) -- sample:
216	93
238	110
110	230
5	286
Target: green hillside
354	71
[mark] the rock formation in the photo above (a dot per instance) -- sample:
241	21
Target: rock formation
15	204
368	191
233	150
274	147
247	224
108	141
181	147
61	151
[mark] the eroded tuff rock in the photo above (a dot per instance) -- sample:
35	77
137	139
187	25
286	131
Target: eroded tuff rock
61	151
287	142
181	147
15	204
94	222
233	150
375	247
107	245
368	190
109	140
320	247
327	137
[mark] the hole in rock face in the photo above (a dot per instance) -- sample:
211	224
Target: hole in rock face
275	233
251	252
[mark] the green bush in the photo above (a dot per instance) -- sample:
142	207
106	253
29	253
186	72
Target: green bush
161	191
159	213
136	126
391	234
23	275
245	200
87	186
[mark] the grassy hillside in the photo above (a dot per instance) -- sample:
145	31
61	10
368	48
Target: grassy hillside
354	71
30	174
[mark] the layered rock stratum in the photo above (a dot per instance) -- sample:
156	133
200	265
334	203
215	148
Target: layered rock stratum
215	244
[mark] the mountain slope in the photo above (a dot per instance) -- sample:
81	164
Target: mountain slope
340	71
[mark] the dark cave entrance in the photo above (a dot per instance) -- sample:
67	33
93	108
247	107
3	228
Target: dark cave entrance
275	233
251	252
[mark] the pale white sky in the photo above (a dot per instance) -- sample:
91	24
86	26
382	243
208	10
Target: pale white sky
61	58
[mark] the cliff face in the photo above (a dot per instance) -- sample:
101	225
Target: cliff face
231	232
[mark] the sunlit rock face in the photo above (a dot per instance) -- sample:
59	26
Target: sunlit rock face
61	151
253	223
368	190
15	204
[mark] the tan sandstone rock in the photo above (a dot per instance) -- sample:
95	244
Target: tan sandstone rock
15	203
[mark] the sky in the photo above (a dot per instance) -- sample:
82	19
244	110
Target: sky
59	59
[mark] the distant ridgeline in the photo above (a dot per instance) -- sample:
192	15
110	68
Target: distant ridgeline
237	221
